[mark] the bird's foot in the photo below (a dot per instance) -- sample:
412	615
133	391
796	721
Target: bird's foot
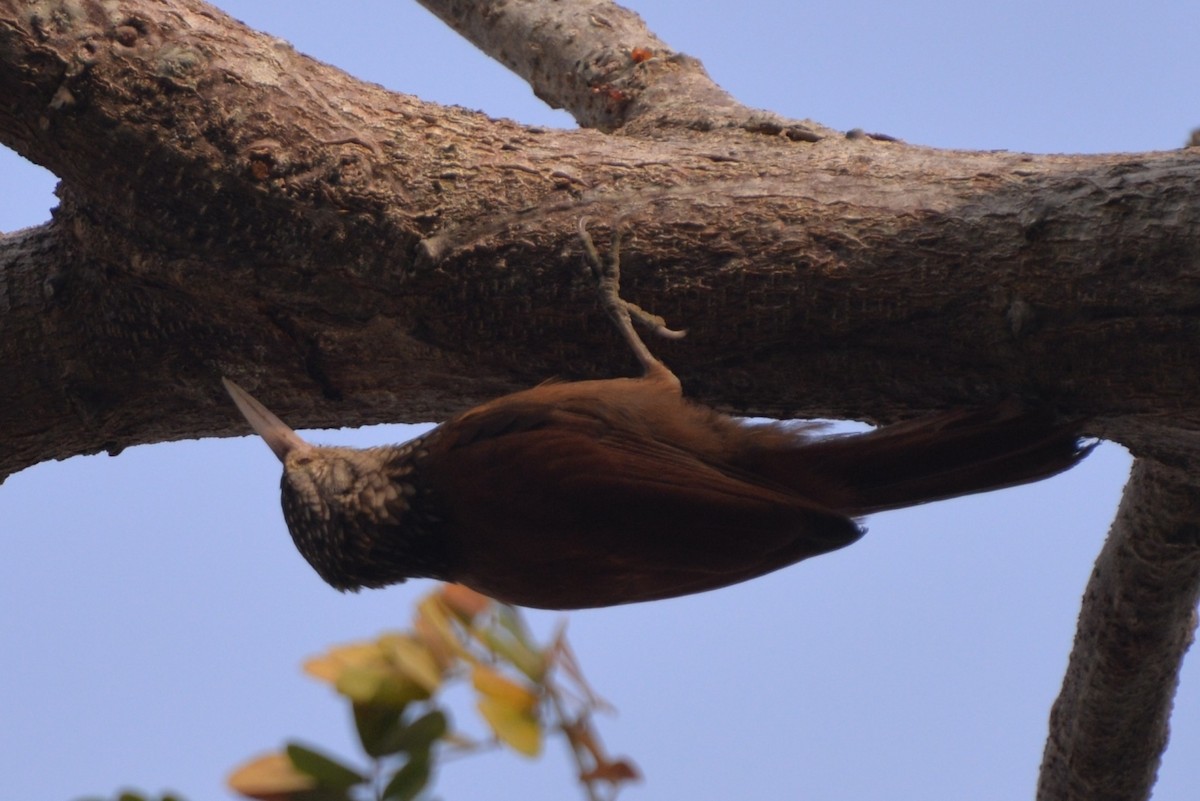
608	278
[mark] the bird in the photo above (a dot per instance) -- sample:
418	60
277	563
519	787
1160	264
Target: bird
594	493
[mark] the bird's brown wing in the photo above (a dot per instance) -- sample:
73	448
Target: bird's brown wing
571	510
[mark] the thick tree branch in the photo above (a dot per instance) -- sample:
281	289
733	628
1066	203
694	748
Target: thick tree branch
1108	727
352	255
221	215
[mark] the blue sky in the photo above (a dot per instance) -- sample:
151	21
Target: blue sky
156	612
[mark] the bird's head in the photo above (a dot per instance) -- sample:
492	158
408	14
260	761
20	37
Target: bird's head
334	498
319	475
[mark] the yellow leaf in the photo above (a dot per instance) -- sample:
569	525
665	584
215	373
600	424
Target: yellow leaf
270	777
502	689
379	685
464	602
393	670
509	709
432	637
361	684
414	659
439	634
516	728
330	665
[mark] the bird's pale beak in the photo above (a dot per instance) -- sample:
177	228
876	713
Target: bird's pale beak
274	431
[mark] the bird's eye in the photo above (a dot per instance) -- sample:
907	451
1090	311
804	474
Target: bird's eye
301	461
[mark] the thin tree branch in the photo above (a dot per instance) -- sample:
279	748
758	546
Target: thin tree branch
598	61
1109	726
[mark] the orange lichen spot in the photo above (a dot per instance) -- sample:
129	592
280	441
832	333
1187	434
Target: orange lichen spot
260	170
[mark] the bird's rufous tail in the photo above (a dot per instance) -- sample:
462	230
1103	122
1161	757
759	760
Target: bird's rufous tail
928	459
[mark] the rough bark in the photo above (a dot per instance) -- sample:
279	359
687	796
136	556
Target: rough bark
1110	723
379	258
351	255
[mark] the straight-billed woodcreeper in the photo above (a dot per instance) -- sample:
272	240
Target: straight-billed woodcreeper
594	493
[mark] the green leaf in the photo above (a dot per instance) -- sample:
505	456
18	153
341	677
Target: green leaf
410	780
511	639
377	727
420	735
384	732
328	772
